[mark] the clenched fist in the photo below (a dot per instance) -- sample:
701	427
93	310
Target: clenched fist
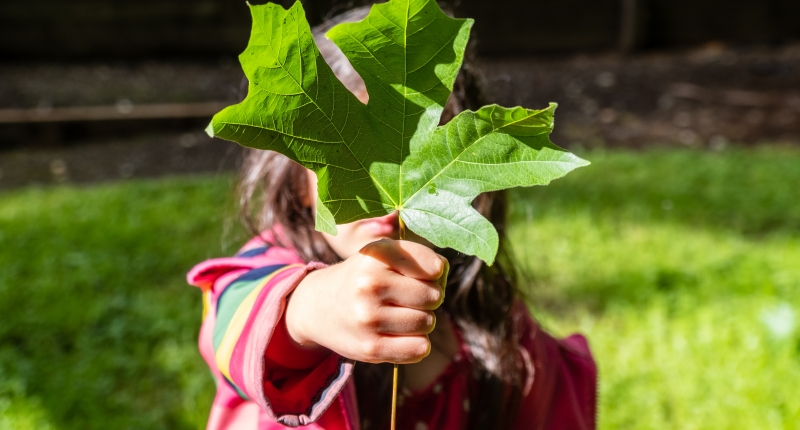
376	306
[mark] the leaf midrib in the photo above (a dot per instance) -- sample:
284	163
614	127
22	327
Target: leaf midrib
447	166
278	60
405	105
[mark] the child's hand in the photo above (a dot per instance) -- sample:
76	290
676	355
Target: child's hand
376	306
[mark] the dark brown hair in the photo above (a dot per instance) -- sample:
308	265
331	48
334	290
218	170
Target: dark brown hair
479	298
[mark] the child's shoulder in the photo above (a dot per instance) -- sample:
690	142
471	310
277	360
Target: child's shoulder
259	253
562	376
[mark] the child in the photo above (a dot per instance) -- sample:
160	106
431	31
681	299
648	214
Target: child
289	316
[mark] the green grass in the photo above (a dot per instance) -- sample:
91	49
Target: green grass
682	267
99	327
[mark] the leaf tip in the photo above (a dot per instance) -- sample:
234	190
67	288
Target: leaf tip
578	161
210	129
468	24
324	227
324	221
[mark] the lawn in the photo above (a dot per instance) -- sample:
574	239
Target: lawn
682	268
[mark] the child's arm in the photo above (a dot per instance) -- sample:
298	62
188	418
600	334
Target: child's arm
360	309
245	297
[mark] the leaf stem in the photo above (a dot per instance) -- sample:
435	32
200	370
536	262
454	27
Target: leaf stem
396	371
402	228
394	395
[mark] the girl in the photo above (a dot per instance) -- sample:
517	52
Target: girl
289	316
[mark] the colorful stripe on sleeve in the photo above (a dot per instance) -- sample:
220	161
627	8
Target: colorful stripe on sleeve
234	306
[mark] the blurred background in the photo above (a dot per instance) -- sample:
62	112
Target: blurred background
677	252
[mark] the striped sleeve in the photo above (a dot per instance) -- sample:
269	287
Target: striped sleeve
233	309
243	335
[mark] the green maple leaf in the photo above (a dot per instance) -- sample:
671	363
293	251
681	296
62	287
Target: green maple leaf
390	154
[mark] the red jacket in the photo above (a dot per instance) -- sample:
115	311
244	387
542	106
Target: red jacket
245	297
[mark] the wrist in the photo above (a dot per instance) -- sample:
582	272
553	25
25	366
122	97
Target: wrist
285	352
298	317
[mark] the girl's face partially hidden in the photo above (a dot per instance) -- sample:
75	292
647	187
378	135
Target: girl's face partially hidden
353	236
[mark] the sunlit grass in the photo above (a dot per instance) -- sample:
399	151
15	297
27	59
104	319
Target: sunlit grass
700	334
691	307
98	327
682	267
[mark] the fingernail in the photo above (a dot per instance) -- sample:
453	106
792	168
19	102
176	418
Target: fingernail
445	272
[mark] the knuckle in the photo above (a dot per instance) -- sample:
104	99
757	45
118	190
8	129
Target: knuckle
364	316
437	296
438	265
362	262
377	248
371	350
427	322
430	320
365	285
369	248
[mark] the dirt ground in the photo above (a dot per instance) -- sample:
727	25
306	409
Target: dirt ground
144	156
705	97
709	97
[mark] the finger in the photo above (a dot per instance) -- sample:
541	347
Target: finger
442	281
400	349
397	320
407	258
411	293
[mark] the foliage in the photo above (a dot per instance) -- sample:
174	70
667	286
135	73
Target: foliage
691	307
390	154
